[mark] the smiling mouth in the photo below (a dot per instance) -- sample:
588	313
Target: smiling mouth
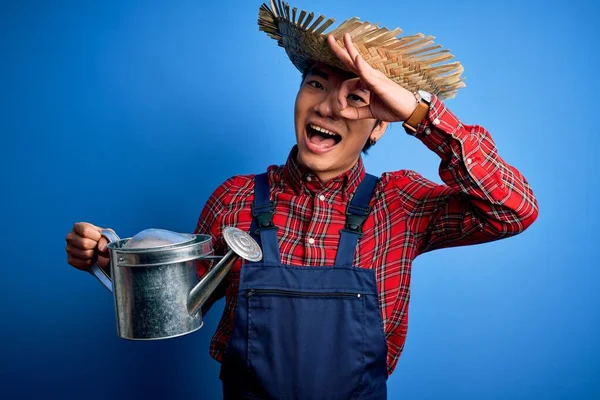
321	137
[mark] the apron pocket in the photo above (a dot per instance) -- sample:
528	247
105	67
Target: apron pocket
306	345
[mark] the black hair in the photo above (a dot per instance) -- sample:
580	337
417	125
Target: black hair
368	144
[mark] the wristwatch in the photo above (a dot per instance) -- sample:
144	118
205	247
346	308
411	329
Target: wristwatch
423	102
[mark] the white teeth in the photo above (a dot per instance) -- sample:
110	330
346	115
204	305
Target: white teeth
323	130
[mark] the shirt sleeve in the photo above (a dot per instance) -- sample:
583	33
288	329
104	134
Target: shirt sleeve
209	223
483	198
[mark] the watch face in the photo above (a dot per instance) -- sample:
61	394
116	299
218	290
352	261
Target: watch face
426	96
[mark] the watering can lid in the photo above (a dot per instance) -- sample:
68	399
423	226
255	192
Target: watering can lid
153	237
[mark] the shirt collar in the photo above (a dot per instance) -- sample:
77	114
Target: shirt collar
303	180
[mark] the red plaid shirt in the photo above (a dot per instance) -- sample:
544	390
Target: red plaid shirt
483	199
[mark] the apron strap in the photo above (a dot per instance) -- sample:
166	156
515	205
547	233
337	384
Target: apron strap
356	214
262	229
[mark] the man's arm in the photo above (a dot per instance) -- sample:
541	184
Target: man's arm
483	198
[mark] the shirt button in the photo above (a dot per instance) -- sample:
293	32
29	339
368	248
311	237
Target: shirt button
309	179
436	121
469	161
322	198
427	131
311	241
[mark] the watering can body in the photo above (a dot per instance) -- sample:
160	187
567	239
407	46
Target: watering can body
157	294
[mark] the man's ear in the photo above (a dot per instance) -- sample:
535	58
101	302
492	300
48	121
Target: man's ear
379	130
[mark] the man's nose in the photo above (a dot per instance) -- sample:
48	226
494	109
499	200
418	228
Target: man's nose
329	106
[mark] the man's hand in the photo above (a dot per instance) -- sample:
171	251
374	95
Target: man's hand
388	102
85	246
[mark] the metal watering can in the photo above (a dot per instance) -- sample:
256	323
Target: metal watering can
153	279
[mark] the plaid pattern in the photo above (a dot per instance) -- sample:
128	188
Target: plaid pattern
483	199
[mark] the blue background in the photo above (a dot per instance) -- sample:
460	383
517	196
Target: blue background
128	114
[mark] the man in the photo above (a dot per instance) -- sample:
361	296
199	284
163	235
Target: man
324	314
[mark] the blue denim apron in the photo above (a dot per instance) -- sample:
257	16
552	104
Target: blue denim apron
306	333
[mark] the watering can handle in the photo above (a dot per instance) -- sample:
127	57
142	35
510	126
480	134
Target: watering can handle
95	269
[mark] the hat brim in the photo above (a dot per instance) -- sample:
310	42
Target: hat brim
415	62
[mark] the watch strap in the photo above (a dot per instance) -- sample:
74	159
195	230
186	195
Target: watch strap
418	115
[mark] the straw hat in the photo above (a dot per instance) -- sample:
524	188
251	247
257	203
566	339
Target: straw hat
414	62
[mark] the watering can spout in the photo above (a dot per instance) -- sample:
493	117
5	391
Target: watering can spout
241	245
210	282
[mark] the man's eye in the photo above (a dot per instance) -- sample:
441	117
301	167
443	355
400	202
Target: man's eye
315	84
355	97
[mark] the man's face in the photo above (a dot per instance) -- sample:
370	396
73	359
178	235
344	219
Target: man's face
329	144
